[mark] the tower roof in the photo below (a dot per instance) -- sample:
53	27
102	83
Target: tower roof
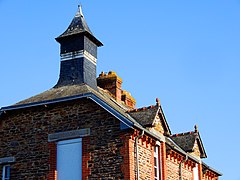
79	26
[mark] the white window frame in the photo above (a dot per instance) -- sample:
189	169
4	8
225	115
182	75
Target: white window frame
6	176
196	173
156	163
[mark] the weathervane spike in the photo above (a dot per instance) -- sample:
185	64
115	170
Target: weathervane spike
80	13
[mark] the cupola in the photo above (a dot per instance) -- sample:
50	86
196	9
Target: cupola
78	54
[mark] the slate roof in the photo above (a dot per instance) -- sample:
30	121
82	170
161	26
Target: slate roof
79	26
74	90
146	116
187	141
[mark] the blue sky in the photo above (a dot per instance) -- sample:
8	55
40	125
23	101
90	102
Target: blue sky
184	52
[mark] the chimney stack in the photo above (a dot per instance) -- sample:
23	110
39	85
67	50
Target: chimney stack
113	83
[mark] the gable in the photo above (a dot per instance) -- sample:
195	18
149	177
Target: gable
151	117
190	142
196	150
158	124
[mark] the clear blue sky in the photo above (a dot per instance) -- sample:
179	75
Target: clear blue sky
186	52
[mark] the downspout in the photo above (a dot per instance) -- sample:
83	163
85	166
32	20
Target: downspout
180	167
136	146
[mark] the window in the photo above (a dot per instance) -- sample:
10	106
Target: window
156	163
6	172
195	172
69	159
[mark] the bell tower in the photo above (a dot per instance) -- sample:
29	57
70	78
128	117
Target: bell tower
78	54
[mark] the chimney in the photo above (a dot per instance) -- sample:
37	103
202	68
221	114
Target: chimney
128	99
113	83
78	54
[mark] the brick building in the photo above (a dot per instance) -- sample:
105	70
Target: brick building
88	128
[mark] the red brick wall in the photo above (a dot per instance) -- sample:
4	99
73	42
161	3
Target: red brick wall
210	176
52	175
146	159
163	160
172	163
145	156
128	157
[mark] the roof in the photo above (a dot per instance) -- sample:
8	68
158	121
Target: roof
72	92
187	141
79	26
146	116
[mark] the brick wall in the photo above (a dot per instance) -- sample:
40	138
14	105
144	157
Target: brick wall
145	157
172	163
210	176
24	135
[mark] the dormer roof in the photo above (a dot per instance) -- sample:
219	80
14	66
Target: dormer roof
146	116
188	140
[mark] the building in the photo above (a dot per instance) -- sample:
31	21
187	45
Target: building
88	128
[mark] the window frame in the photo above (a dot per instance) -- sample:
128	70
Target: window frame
156	163
6	172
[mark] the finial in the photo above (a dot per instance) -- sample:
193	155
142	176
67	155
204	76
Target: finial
79	13
196	128
158	102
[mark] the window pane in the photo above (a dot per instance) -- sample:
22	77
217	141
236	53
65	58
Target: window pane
155	172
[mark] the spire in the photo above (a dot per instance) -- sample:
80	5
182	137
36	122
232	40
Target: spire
79	13
79	26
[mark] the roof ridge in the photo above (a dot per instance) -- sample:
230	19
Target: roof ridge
142	108
182	134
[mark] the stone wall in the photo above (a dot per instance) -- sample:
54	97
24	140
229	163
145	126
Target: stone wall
24	135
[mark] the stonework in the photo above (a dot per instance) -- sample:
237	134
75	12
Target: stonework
24	135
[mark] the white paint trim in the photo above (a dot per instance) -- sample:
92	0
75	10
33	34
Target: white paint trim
78	54
6	176
195	173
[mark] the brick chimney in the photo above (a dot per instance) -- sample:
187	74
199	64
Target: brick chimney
113	83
